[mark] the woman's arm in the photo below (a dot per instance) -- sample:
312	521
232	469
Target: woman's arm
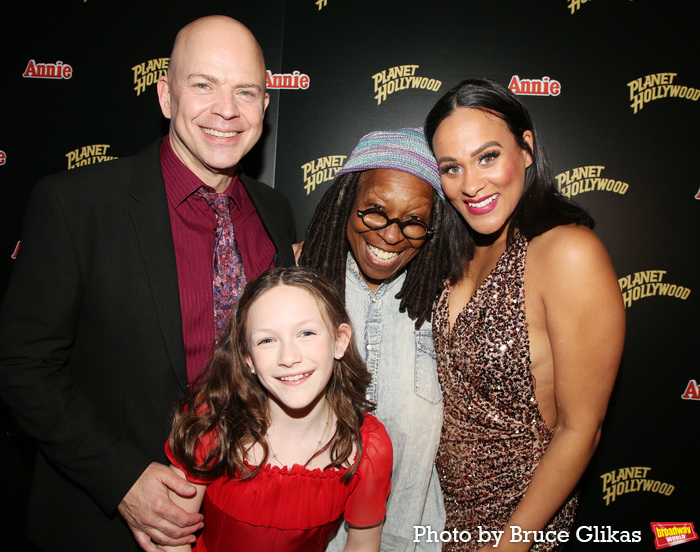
585	324
189	504
364	538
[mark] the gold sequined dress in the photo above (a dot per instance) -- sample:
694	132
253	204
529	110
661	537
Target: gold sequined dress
493	434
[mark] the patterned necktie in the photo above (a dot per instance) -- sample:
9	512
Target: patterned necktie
229	275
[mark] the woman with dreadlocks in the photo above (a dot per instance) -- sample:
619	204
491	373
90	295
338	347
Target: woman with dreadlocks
379	234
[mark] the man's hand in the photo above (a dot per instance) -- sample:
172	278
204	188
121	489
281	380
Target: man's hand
152	517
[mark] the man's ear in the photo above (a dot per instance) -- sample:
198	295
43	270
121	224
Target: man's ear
163	88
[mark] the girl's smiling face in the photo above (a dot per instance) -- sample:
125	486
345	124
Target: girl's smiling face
292	348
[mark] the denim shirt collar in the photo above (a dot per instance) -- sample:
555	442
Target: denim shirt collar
395	282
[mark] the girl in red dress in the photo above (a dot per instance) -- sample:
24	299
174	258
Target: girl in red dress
278	440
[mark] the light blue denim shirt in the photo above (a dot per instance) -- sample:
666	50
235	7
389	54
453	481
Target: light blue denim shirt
406	391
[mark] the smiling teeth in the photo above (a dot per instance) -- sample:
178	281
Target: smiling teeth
485	202
295	378
382	255
219	134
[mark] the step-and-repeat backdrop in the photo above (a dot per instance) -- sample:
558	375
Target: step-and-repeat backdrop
614	86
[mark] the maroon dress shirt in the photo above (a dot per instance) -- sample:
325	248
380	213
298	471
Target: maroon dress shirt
193	225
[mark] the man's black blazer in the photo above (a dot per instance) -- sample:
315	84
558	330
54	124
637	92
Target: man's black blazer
92	358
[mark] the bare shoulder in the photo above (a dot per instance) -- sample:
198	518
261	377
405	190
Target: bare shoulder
571	252
570	265
571	240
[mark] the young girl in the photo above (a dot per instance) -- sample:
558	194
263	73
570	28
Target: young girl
278	440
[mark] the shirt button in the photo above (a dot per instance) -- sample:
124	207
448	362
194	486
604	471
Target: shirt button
368	397
369	347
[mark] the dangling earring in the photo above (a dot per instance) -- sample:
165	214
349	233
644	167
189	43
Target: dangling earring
252	370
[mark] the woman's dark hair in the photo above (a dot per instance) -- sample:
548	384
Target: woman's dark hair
326	247
541	206
231	406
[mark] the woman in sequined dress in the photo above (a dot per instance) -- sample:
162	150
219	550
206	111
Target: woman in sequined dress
529	331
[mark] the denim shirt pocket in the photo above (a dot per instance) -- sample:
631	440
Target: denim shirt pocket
426	384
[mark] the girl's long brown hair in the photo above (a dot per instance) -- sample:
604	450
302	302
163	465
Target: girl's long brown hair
231	406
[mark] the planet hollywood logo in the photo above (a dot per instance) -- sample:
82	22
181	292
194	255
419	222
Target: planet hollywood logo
649	283
575	5
148	72
88	155
588	179
658	86
58	70
401	77
632	480
321	170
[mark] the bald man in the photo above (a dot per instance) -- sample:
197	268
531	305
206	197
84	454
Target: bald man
109	314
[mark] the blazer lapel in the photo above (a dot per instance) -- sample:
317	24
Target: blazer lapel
151	220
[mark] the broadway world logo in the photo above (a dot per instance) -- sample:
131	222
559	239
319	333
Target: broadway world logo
670	534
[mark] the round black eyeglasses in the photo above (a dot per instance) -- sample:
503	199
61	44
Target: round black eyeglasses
412	229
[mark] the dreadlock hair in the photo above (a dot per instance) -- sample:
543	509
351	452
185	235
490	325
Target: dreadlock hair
229	411
326	247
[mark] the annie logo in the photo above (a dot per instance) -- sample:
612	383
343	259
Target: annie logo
692	391
669	534
293	81
57	70
534	87
3	158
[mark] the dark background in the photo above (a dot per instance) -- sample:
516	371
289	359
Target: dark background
594	49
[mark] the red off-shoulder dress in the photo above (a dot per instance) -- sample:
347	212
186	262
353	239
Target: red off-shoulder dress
295	509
